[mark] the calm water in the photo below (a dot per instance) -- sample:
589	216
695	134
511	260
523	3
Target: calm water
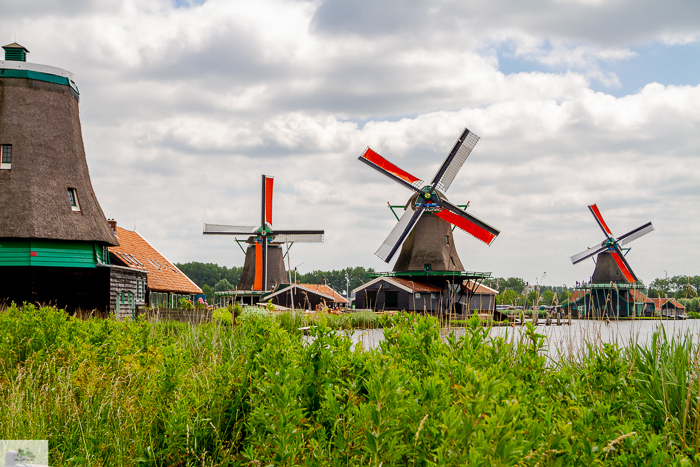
569	340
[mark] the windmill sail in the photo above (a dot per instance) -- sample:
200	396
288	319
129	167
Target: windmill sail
455	159
255	272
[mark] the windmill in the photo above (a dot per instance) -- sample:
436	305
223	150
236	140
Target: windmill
264	263
427	239
611	265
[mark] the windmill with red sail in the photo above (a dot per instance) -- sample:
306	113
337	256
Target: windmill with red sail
425	228
428	274
264	261
611	264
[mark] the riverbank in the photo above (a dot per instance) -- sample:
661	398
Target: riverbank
105	392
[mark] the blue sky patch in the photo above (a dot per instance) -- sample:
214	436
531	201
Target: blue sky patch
656	62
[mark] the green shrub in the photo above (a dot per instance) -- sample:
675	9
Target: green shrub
107	392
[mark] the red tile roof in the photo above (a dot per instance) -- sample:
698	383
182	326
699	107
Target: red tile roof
415	286
479	288
577	295
324	289
660	302
640	297
135	252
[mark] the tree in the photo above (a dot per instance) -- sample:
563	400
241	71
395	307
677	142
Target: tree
209	292
531	298
508	297
336	278
222	286
209	273
547	297
501	284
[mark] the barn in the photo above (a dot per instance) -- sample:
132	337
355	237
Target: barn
306	296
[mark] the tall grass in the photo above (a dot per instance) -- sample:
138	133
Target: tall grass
105	392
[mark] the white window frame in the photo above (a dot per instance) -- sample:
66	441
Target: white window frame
5	165
75	208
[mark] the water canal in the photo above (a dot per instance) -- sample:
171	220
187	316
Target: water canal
569	341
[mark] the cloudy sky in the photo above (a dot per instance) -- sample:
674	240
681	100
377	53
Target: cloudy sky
184	104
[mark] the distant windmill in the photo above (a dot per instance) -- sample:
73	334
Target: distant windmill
265	252
429	245
611	265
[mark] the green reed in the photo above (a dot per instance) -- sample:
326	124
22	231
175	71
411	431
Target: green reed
105	392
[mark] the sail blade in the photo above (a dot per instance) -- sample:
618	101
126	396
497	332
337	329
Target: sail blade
399	233
298	236
587	254
635	234
623	264
218	229
599	219
267	198
465	221
455	159
258	281
392	171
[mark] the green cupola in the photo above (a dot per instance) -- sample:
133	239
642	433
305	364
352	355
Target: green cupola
15	52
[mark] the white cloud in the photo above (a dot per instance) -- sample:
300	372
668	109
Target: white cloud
184	108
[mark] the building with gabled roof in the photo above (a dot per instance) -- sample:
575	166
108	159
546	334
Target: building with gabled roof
624	300
306	296
668	307
166	284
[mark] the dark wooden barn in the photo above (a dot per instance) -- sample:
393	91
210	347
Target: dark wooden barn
306	297
395	293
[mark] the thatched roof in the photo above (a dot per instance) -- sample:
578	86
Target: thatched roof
41	121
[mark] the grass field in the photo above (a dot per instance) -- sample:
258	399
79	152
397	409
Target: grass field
110	393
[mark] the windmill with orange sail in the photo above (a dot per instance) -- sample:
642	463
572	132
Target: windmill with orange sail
264	263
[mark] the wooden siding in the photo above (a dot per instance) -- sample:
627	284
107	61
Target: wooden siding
425	301
49	253
479	302
124	295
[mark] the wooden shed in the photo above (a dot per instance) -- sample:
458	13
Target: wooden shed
394	293
477	297
306	296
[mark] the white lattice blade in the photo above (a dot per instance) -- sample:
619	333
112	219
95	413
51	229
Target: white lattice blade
298	238
586	254
635	234
229	229
453	167
397	234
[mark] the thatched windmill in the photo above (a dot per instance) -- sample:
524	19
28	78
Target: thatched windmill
264	260
425	228
53	233
611	265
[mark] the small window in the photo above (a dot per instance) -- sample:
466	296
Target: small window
417	295
73	198
6	158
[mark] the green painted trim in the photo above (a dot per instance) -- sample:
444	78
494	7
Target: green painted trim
465	275
48	253
35	75
15	54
